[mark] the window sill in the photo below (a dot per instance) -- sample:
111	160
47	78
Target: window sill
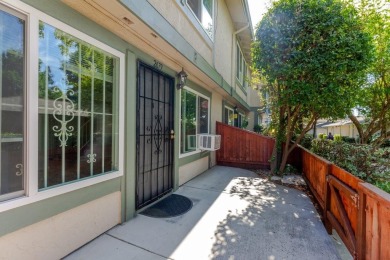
42	195
183	155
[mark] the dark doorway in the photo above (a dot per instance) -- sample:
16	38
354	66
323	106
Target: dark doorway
155	134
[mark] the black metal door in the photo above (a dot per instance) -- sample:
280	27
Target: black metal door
154	134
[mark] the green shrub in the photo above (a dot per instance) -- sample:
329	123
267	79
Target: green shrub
386	143
244	123
322	136
258	129
306	141
348	139
364	161
337	138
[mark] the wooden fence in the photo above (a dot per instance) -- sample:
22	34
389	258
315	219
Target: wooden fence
358	211
242	148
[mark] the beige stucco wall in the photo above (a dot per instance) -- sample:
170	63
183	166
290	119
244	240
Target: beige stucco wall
216	115
193	169
251	122
240	92
223	42
253	97
173	13
58	236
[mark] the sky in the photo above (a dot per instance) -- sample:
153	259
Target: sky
257	8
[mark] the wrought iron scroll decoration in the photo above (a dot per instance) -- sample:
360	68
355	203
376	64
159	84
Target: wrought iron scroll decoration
158	138
63	106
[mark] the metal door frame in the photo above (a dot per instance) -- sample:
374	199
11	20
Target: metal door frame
171	125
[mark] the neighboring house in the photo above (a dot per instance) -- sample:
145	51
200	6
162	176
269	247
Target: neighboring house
95	124
260	110
343	127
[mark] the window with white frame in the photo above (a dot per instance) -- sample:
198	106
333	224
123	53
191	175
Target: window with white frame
241	67
68	100
229	116
195	111
77	108
203	10
12	114
240	119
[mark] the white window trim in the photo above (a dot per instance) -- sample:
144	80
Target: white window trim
33	16
243	68
242	117
232	110
200	22
182	155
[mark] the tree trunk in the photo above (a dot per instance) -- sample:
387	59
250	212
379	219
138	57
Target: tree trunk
274	164
284	161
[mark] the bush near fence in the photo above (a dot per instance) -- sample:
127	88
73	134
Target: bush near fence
368	163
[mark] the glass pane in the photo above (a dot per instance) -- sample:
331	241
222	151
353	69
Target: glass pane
203	122
207	16
108	145
195	7
188	122
226	116
238	62
203	10
12	103
76	93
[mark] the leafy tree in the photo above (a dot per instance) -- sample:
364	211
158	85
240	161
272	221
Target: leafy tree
312	54
374	96
12	73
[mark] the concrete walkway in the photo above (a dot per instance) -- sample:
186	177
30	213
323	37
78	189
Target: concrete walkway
236	215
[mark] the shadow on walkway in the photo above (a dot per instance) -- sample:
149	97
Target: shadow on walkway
236	215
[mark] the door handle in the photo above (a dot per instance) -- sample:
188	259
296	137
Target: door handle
172	134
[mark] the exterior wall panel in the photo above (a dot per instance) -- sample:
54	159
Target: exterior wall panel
191	170
59	235
174	13
223	42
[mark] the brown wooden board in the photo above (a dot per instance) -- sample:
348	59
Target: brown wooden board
242	148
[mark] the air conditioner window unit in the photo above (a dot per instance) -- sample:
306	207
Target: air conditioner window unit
209	142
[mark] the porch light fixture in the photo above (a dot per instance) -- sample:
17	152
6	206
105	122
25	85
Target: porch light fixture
182	77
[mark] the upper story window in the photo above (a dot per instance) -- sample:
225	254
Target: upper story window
241	67
195	114
203	10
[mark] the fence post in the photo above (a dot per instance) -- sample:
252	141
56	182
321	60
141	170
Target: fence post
361	227
328	225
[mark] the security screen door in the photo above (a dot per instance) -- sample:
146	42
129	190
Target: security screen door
155	136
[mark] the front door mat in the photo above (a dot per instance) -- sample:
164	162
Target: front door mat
172	206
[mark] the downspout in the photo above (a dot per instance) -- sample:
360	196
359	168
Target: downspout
234	56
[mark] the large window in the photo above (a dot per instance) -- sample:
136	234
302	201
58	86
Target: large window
59	117
229	116
241	67
194	119
203	10
12	86
77	108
